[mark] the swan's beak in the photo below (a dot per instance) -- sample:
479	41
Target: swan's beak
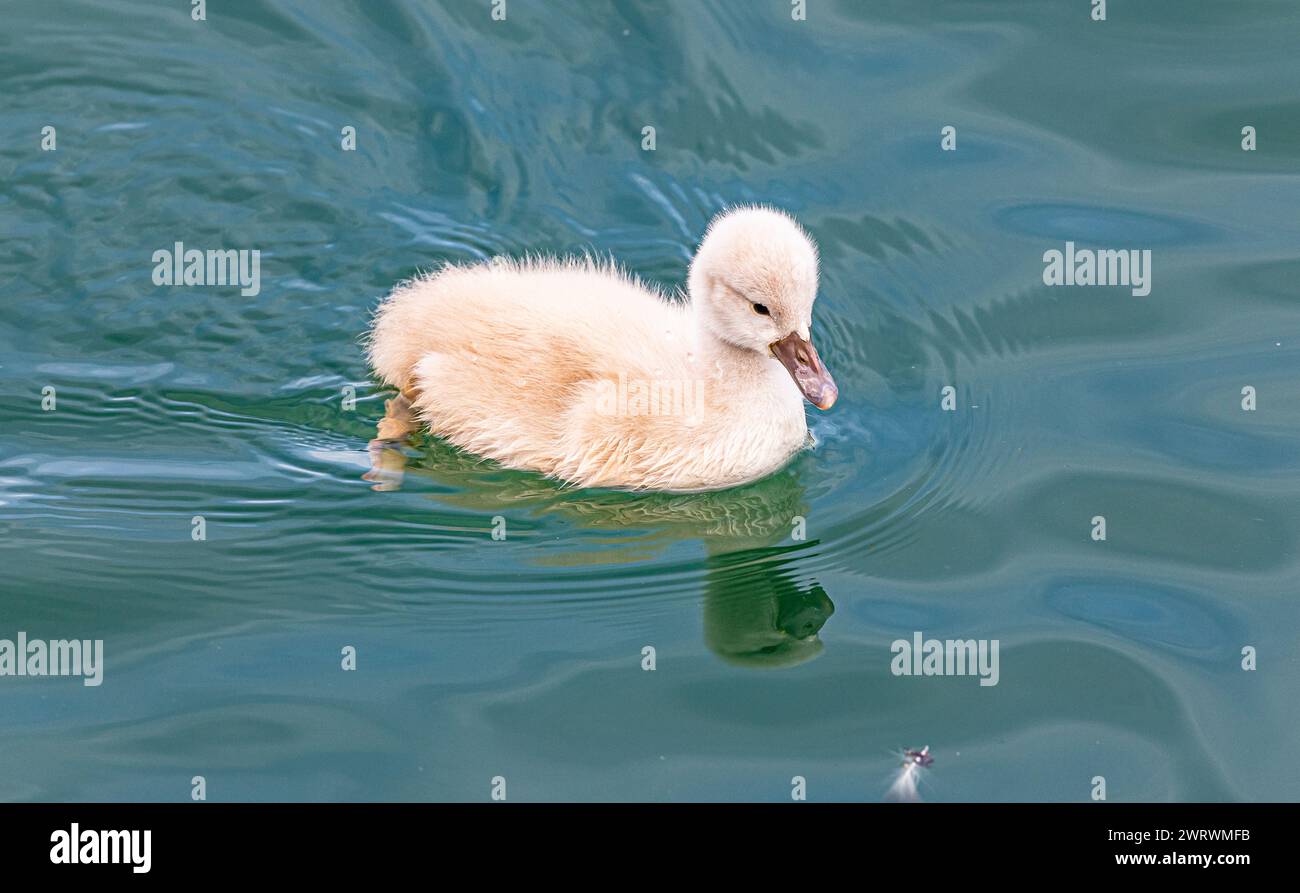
800	359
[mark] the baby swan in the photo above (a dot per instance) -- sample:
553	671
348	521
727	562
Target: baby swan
577	371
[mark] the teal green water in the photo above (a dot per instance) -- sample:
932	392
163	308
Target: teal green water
522	658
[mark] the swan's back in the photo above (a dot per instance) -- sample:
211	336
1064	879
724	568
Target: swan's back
544	320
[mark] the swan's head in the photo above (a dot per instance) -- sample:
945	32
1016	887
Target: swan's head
753	282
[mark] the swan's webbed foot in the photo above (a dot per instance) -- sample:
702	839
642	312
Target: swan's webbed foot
387	454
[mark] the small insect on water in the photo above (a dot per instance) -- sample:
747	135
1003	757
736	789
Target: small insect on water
906	780
920	757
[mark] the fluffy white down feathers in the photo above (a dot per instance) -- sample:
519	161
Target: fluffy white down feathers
574	369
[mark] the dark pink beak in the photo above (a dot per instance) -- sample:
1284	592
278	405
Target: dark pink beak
800	359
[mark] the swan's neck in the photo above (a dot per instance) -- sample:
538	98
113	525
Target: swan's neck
733	369
745	384
740	364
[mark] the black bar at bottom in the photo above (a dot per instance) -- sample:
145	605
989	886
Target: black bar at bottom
337	841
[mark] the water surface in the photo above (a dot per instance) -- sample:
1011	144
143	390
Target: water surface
522	657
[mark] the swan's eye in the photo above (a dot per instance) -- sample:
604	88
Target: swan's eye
762	310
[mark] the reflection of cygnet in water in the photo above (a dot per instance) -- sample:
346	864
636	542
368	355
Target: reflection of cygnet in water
758	616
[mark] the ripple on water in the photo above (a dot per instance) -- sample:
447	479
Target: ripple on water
1187	624
1103	226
